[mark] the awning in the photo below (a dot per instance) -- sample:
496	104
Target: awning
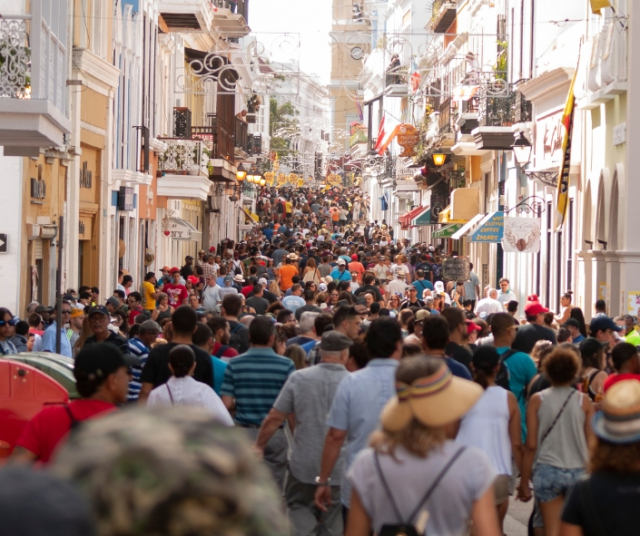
405	219
253	218
420	216
445	216
468	227
490	228
447	231
181	230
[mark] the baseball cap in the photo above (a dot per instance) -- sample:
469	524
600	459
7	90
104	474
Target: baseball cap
341	262
591	346
262	281
602	323
354	257
174	270
165	269
113	301
227	279
472	326
97	361
533	307
43	309
334	341
571	322
100	309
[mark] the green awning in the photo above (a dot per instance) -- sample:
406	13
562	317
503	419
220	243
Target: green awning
447	231
423	219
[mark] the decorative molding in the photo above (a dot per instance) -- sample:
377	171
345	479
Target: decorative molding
95	69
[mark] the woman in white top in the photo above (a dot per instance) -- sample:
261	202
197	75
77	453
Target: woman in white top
413	475
493	424
183	390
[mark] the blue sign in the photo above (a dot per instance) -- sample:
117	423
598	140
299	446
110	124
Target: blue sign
492	230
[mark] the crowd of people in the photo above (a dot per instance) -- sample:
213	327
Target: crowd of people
380	396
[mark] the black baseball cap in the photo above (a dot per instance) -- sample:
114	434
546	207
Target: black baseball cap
100	309
602	323
101	359
571	322
591	346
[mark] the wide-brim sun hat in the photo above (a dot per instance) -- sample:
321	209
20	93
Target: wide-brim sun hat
435	401
619	420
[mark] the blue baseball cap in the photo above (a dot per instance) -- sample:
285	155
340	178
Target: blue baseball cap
603	323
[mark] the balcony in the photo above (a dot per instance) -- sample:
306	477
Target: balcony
443	13
241	137
495	120
186	15
231	19
522	109
33	75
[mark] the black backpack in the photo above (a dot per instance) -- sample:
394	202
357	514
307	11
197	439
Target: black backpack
502	378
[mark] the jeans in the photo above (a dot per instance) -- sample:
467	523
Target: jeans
550	482
275	454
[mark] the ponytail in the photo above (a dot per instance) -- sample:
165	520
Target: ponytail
480	377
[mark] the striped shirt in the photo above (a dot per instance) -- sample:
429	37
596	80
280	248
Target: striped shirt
138	349
255	379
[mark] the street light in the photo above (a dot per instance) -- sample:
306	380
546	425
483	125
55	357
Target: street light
439	159
522	150
241	174
263	181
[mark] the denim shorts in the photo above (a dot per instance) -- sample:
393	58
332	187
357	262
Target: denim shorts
550	482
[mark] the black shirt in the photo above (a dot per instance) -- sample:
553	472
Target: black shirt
311	308
529	334
615	497
260	304
113	338
459	353
156	369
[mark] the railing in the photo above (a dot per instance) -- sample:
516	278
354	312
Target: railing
496	110
254	144
182	155
223	142
522	109
445	125
443	13
241	135
33	59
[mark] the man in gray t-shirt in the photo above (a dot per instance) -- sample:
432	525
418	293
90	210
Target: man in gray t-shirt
308	396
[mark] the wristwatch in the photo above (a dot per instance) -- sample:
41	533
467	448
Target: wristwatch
319	482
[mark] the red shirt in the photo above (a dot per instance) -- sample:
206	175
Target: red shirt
176	293
132	315
47	429
229	352
247	290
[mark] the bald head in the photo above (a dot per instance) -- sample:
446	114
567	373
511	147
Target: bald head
493	293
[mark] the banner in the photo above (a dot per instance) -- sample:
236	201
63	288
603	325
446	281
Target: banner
563	177
597	5
521	235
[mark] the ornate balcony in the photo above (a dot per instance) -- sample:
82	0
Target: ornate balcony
183	155
33	75
186	15
254	144
443	13
231	18
522	110
241	138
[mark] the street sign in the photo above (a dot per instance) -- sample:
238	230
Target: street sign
455	268
3	243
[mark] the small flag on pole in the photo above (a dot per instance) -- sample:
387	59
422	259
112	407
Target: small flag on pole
563	177
597	5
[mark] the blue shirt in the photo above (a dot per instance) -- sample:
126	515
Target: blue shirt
357	405
138	349
522	369
458	369
578	339
268	233
337	275
422	285
219	368
293	302
255	379
49	341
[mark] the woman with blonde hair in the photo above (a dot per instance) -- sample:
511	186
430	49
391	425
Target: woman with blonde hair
414	478
274	288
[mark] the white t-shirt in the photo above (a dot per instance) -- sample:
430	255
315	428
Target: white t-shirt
409	477
397	286
397	268
189	392
488	306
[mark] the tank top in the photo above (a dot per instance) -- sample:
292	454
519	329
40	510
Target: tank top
566	446
486	426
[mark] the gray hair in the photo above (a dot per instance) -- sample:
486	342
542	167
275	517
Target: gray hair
149	325
307	320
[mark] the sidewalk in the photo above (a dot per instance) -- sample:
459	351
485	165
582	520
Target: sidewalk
515	524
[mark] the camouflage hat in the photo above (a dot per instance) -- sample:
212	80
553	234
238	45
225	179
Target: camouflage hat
171	472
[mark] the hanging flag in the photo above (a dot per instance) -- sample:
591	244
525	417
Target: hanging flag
597	5
563	177
387	139
384	205
380	134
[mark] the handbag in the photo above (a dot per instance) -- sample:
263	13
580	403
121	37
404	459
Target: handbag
408	528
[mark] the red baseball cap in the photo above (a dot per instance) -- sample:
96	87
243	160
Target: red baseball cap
533	307
472	326
354	257
174	270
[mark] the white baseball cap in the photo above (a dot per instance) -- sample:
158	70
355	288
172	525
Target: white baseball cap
262	281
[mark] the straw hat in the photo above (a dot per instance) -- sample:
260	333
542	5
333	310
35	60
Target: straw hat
434	400
619	420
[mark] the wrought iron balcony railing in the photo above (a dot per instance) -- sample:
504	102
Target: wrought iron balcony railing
443	13
522	110
241	135
181	122
187	155
496	110
445	117
254	144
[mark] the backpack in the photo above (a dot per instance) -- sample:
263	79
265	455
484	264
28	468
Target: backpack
74	422
409	528
502	378
236	341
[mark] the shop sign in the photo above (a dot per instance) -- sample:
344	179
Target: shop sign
455	268
438	204
521	235
408	137
86	176
491	231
